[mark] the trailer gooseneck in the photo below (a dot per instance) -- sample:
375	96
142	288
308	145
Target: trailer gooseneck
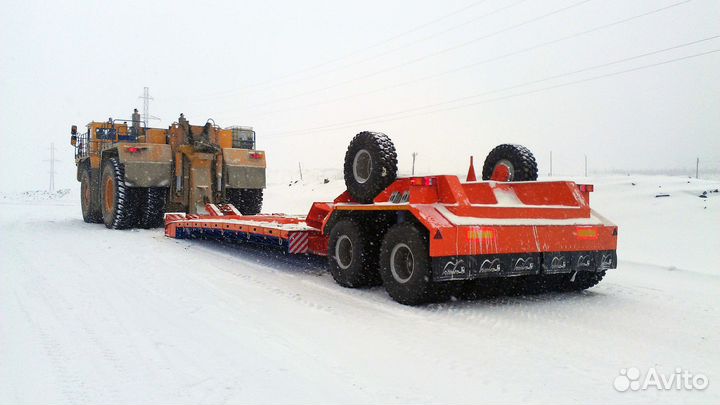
422	238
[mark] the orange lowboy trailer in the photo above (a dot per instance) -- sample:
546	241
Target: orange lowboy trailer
453	231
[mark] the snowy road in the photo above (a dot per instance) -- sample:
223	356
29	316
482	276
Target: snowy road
93	315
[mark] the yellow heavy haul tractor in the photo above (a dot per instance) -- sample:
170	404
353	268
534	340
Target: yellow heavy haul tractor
130	175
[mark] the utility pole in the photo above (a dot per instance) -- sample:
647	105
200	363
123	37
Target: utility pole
414	155
697	168
585	165
550	163
146	106
52	161
300	168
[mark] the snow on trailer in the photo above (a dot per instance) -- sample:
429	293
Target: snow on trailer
425	238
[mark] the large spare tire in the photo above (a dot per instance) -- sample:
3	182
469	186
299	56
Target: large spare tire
517	159
370	165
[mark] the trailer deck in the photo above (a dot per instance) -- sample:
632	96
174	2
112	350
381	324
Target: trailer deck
476	229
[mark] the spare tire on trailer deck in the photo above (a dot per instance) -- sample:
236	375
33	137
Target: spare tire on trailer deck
516	160
370	165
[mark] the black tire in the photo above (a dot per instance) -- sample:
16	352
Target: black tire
521	161
405	265
152	207
119	203
582	281
370	165
352	257
247	200
89	198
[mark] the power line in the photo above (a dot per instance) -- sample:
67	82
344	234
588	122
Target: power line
427	56
423	39
357	51
378	119
553	77
403	46
484	61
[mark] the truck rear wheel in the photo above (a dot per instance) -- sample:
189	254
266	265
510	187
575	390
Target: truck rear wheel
89	198
370	165
515	162
352	259
247	200
152	207
405	265
120	203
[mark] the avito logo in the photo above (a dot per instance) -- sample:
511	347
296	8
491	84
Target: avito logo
632	379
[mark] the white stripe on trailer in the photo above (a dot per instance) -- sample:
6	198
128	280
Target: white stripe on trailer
234	210
214	210
298	243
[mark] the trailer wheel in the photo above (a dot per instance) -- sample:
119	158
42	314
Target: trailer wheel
248	200
510	163
370	165
582	281
89	199
352	259
120	203
405	265
152	207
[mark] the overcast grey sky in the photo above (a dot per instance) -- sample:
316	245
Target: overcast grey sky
443	78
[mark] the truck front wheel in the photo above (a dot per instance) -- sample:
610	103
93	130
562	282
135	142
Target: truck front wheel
89	198
120	203
405	265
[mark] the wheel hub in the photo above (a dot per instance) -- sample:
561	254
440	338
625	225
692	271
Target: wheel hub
344	252
503	171
85	189
109	196
402	263
362	166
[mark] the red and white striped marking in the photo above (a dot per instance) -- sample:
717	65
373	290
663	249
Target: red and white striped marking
229	209
298	243
174	216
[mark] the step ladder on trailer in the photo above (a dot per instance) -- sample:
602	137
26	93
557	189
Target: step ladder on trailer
290	233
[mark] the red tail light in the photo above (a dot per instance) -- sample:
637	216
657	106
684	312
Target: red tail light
586	188
422	181
133	149
256	155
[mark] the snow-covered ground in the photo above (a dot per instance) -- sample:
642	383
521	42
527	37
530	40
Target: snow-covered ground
89	315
